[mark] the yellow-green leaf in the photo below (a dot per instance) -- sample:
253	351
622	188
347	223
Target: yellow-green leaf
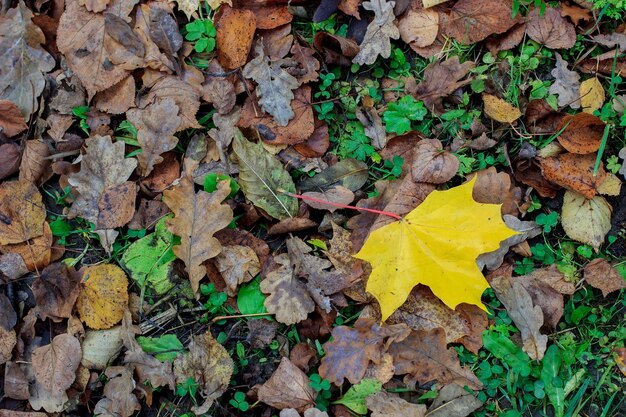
436	245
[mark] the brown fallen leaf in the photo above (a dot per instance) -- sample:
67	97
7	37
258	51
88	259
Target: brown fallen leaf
118	98
35	165
600	274
35	252
336	49
8	319
380	31
350	7
234	32
268	16
373	126
11	119
56	291
55	365
586	220
197	216
471	21
433	164
337	195
550	29
575	13
22	212
581	133
237	264
566	85
209	364
384	404
308	66
15	383
419	27
454	401
574	172
440	80
156	124
218	90
620	359
547	298
353	349
507	40
118	399
288	387
9	159
8	340
424	357
527	317
103	296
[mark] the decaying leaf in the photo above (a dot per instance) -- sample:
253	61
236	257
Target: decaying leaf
424	357
263	179
197	216
308	66
408	252
550	29
22	212
24	61
499	110
440	80
599	273
383	404
288	387
527	317
234	32
119	399
454	401
55	365
581	133
348	173
103	296
380	31
56	291
433	164
11	118
419	27
574	172
471	21
337	195
591	95
567	84
586	220
274	85
237	264
209	364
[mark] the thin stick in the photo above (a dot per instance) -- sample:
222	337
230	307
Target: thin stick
238	316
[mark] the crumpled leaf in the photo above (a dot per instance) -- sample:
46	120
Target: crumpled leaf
197	216
149	259
118	399
527	317
156	125
384	404
288	387
24	60
586	220
274	85
237	264
56	291
424	357
499	110
11	119
436	244
599	273
262	177
380	31
471	21
103	296
550	29
454	401
581	133
209	364
566	85
353	349
22	213
55	365
440	80
591	95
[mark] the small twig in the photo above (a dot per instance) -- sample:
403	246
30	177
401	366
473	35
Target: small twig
238	316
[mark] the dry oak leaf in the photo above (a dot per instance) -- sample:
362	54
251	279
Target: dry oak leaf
22	213
209	364
574	172
237	264
527	317
81	39
156	125
432	164
380	31
591	95
287	298
24	61
436	244
499	110
197	216
288	387
550	29
440	80
600	274
118	400
353	349
308	66
189	7
419	27
373	127
274	85
586	220
576	14
11	119
56	291
384	404
566	85
580	133
471	21
103	296
219	90
234	33
424	357
55	365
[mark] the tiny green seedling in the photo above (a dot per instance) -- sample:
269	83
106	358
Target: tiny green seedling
239	401
202	32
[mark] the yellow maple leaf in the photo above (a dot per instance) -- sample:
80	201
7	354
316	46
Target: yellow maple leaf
436	245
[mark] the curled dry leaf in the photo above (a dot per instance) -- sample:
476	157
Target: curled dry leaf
419	27
550	29
156	125
424	357
586	220
11	119
527	317
574	172
22	212
24	62
581	133
119	399
55	365
566	85
209	364
233	39
471	21
373	127
353	349
103	296
600	274
288	387
432	164
380	31
526	230
197	216
499	110
56	291
591	95
440	80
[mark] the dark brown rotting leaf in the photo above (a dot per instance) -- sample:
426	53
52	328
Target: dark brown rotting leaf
574	172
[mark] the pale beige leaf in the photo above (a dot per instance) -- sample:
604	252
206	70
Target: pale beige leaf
380	31
454	401
384	404
189	7
600	274
586	221
419	27
55	364
288	387
567	84
101	347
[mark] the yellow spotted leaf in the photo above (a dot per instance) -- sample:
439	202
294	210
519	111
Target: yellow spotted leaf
103	296
436	245
499	110
591	95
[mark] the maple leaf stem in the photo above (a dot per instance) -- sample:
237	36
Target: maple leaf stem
330	203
